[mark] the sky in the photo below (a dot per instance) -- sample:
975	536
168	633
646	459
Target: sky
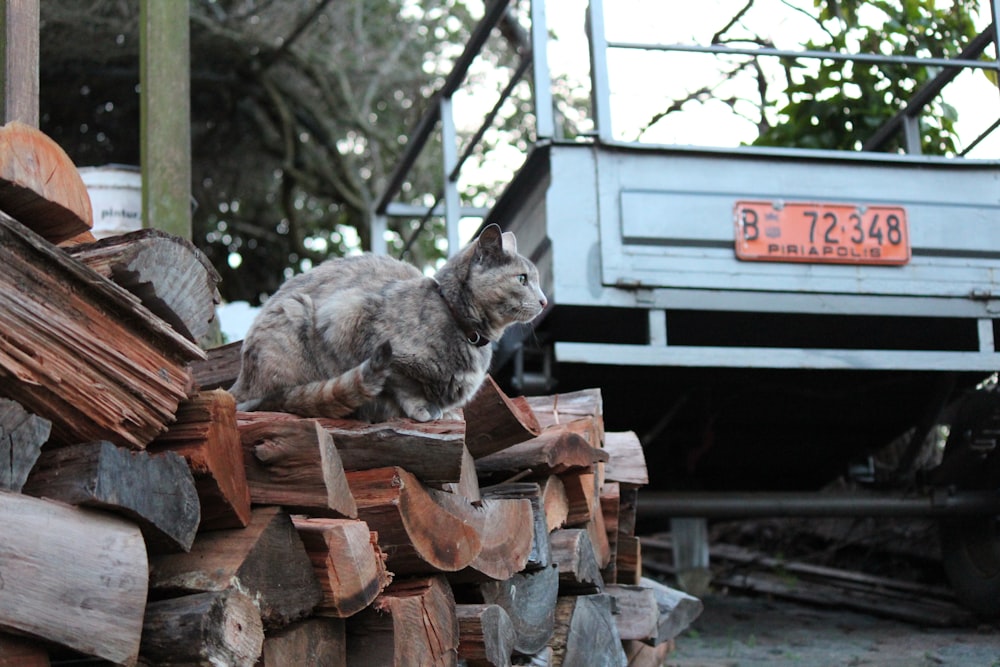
645	83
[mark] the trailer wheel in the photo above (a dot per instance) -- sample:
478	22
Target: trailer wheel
971	556
970	546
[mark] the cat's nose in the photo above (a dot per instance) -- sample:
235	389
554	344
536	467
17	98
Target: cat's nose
542	301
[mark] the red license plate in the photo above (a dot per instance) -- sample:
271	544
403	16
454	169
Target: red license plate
821	232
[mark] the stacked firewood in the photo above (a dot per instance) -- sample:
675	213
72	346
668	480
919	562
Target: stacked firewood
145	520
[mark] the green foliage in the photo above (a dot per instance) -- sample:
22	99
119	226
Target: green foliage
839	104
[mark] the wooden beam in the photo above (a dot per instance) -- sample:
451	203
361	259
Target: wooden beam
165	116
19	64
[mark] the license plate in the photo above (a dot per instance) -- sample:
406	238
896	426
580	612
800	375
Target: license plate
821	233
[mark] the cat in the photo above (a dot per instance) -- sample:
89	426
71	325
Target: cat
371	337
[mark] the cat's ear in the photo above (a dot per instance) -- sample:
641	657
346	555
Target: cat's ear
509	242
490	242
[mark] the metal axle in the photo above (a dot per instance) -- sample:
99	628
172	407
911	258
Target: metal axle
713	505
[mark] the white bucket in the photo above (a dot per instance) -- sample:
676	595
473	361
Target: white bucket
116	198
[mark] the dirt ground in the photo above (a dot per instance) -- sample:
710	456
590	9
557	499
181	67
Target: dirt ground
742	631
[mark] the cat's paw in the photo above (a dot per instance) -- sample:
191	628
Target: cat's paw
423	413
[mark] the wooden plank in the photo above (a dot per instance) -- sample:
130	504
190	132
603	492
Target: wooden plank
22	435
165	116
266	560
68	330
205	629
19	66
80	583
157	492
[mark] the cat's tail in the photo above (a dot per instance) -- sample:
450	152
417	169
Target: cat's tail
337	397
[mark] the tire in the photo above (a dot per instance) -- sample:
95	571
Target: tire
970	550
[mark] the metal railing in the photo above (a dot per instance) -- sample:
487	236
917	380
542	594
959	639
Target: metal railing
440	117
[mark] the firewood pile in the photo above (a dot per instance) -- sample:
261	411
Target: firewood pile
146	521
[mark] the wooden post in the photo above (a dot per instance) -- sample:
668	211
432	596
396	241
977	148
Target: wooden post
165	116
19	60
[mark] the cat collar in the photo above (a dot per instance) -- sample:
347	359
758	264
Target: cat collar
471	334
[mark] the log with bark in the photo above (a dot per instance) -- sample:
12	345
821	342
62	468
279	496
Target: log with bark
266	560
413	622
174	279
83	352
204	629
40	186
205	434
22	435
496	421
433	451
72	576
294	463
529	598
314	641
485	635
541	554
347	561
156	492
417	533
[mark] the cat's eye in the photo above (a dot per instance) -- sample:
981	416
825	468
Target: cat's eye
522	278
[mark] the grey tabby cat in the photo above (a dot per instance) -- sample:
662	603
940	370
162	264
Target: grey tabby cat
372	337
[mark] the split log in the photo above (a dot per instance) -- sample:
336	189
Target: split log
467	485
637	614
433	451
266	560
610	500
628	564
496	421
81	584
174	279
529	598
40	186
416	532
19	652
205	435
205	629
347	561
555	502
540	555
555	451
644	655
67	331
294	463
22	435
568	407
628	505
585	510
318	642
579	571
626	460
485	635
157	492
220	367
505	527
677	609
413	622
585	632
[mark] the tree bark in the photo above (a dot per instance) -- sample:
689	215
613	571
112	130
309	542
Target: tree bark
157	492
40	186
266	560
21	438
80	583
